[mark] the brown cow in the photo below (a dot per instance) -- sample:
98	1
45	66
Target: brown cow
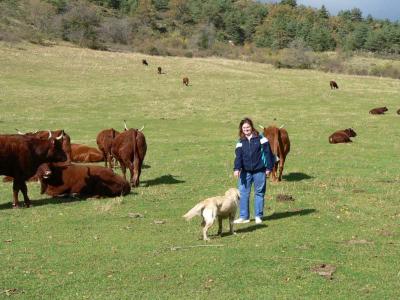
280	145
88	181
66	140
129	148
333	84
159	70
342	136
378	110
144	62
66	145
104	141
185	81
84	153
21	155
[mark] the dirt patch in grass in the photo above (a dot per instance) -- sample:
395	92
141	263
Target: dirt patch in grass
284	198
324	270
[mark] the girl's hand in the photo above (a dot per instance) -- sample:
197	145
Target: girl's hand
236	173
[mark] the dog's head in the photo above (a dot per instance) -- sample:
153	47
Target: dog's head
233	193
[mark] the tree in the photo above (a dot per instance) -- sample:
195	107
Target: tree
291	3
323	13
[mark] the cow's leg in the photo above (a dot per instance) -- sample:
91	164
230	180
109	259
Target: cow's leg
16	189
20	186
132	171
136	171
24	191
123	169
281	162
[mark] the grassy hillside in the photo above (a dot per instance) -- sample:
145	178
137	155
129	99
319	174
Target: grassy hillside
346	211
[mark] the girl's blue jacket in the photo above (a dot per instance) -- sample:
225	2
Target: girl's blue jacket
254	155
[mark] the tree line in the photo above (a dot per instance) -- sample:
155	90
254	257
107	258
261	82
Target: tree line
156	25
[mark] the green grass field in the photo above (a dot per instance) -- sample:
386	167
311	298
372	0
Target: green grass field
346	211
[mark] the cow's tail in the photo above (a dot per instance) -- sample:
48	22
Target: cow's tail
195	211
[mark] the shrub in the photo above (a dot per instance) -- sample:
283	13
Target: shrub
80	24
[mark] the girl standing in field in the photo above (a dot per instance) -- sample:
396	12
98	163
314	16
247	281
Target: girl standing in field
254	160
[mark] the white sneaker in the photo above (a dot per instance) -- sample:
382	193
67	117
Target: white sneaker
241	221
258	220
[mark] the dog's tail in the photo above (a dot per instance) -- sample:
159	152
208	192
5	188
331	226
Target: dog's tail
195	211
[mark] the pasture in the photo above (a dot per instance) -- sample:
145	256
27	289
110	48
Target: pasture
346	211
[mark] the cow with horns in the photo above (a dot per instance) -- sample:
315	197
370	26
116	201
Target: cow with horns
129	148
21	155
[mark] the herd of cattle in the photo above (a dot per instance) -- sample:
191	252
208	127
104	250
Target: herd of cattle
47	156
185	80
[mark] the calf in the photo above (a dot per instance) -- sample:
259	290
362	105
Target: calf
159	70
144	62
88	181
378	110
333	84
83	153
104	141
185	81
342	136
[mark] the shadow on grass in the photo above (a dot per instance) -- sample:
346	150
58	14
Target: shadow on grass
165	179
54	200
296	176
251	228
287	214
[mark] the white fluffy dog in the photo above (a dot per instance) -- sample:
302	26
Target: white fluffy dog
221	206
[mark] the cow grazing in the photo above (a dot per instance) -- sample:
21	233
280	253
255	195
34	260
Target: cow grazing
59	179
280	145
159	70
333	84
342	136
129	148
144	62
378	110
185	81
21	155
84	153
104	141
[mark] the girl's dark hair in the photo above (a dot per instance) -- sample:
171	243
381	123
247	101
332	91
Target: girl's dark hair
250	122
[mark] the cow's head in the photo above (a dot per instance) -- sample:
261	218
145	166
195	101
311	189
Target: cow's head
56	150
350	132
43	171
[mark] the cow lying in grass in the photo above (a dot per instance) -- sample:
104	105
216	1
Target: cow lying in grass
84	153
378	110
342	136
79	180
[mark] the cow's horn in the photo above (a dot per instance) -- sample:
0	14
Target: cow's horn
19	132
61	135
126	128
281	126
141	129
49	134
261	126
